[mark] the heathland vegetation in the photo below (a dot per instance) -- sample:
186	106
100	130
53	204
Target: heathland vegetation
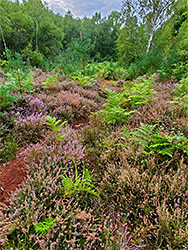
97	108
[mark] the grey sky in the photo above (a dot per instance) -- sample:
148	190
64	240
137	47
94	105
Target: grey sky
81	8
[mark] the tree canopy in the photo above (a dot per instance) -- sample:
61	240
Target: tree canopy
32	29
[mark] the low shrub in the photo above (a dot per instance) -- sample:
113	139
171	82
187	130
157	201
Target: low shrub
92	137
56	151
151	200
120	105
104	70
8	147
149	64
29	129
67	105
76	223
168	66
156	140
17	84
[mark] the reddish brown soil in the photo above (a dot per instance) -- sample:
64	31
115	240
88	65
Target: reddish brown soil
12	174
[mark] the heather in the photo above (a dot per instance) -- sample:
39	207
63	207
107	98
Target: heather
94	126
106	164
75	226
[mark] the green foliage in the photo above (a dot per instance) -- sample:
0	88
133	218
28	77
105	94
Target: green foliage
8	147
31	27
22	30
148	14
45	226
166	34
84	81
182	88
115	108
182	29
6	99
50	37
51	80
54	124
71	29
68	62
83	183
13	61
121	105
104	70
56	127
138	92
76	56
181	93
148	64
155	140
111	71
180	67
169	65
83	47
131	42
18	82
35	57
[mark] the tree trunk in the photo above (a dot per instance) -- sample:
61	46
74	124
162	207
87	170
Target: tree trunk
4	42
150	40
36	37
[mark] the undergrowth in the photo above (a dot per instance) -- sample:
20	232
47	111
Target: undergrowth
118	182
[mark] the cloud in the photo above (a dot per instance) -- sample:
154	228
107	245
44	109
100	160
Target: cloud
81	8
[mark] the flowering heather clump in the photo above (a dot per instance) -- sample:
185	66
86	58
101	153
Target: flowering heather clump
86	93
163	87
67	105
35	104
87	106
154	198
6	123
67	85
62	105
30	129
60	98
158	112
41	198
51	151
93	137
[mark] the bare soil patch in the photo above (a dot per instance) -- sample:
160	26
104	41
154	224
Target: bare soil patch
12	174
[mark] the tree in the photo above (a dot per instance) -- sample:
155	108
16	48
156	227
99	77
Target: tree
47	29
5	23
173	33
22	31
71	29
131	41
151	13
2	19
103	33
35	9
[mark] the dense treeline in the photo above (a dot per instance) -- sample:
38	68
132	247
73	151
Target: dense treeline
33	30
145	36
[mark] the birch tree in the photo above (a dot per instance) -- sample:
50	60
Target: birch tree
3	38
3	25
151	13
